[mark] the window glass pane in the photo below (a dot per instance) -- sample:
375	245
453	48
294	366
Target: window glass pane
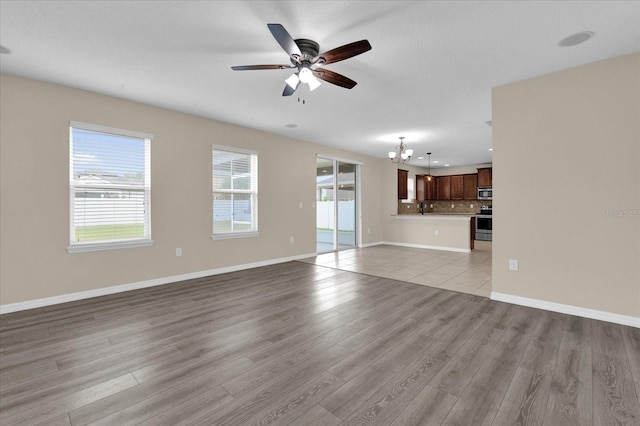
102	214
222	213
232	213
100	158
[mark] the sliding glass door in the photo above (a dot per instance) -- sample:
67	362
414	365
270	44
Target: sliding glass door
336	215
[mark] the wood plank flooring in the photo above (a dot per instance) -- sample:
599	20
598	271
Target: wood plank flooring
304	344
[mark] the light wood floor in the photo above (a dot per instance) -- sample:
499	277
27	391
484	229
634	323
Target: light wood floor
304	344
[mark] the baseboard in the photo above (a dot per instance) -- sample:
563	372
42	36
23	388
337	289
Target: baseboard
567	309
72	297
456	249
377	243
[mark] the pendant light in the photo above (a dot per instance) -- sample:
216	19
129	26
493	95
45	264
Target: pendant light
429	177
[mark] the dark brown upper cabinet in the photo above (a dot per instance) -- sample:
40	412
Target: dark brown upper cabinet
403	184
443	191
470	186
485	176
457	188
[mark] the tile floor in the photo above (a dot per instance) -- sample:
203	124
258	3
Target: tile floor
461	272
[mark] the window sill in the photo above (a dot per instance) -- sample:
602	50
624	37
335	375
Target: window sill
235	235
81	248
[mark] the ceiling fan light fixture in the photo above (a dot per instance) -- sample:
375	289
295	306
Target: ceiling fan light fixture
306	75
293	81
314	83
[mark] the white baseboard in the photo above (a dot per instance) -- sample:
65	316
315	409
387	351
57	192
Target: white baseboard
456	249
377	243
567	309
71	297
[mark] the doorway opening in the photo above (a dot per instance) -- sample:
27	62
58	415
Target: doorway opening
336	205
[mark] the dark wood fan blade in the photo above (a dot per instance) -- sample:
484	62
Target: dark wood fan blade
343	52
284	39
334	78
261	67
288	90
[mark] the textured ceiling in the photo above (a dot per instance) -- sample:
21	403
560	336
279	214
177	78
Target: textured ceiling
428	76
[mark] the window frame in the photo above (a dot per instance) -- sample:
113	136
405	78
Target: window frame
114	244
253	191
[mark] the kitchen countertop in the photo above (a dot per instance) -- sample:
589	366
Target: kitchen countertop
448	216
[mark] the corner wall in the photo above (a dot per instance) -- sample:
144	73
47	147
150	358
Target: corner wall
566	174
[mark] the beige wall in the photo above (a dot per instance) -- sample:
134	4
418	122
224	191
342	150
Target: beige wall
34	219
567	179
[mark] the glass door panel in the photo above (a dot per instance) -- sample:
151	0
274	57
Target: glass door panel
346	205
325	206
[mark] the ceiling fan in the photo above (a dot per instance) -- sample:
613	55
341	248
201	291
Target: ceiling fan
305	59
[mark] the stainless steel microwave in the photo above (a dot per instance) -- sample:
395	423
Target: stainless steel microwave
485	193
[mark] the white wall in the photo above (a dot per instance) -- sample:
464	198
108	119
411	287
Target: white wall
566	156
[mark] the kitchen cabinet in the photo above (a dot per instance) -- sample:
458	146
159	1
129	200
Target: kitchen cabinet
443	191
472	231
425	188
421	188
485	176
430	187
403	182
456	187
470	185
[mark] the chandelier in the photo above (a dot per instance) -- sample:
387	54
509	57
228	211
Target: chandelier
401	154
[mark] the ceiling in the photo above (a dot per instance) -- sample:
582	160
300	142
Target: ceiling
427	78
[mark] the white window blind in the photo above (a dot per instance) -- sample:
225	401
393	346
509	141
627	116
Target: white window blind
109	187
235	192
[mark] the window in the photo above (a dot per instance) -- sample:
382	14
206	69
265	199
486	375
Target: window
109	188
235	193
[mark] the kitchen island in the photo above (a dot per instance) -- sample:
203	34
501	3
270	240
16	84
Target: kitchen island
452	232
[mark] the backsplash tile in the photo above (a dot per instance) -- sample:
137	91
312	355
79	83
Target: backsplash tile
443	207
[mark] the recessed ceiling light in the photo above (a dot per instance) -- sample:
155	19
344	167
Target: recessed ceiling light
420	158
490	149
575	39
291	125
447	165
435	162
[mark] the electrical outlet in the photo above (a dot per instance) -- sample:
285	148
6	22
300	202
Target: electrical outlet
291	239
436	232
470	206
430	206
301	204
513	265
453	205
178	252
368	230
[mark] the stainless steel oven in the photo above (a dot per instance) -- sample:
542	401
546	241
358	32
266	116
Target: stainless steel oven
484	224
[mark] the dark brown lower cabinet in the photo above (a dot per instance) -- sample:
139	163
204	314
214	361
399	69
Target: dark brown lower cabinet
473	232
